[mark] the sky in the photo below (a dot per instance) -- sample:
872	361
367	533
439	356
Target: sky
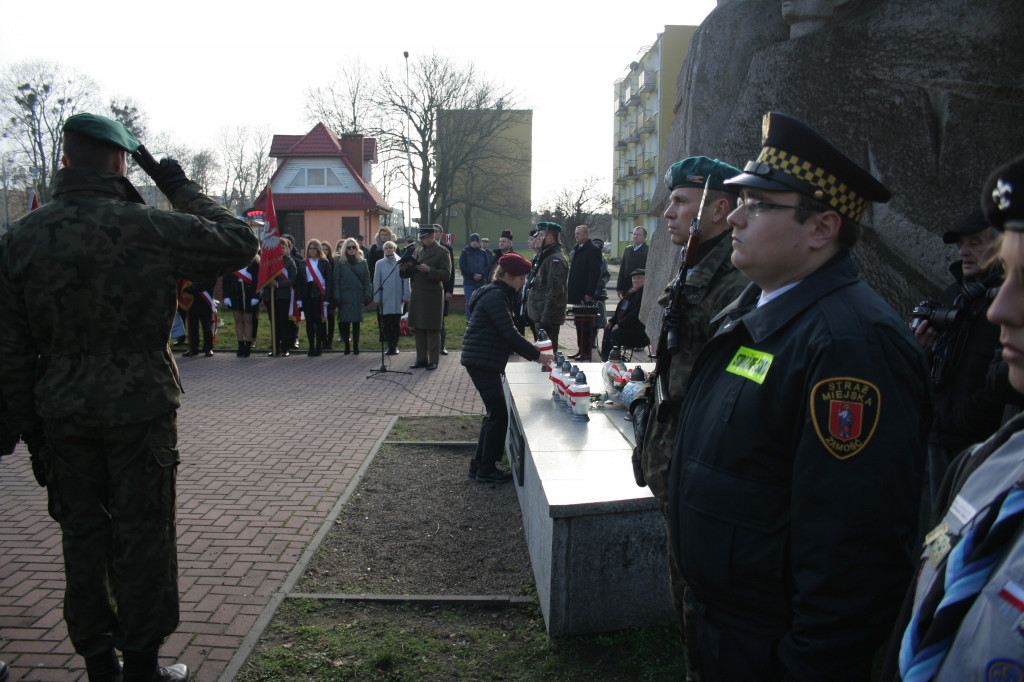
198	68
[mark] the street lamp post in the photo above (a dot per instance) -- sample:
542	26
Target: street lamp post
408	153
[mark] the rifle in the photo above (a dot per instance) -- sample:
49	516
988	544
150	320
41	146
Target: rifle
672	321
692	243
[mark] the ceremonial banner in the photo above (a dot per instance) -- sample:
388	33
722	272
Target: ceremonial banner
271	256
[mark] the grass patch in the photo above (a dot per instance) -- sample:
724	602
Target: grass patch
358	641
451	428
369	333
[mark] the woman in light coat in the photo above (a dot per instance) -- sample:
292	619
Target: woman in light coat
389	292
351	284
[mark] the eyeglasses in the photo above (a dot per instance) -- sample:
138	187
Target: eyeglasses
753	207
351	248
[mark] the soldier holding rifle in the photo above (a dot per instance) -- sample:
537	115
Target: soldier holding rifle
707	281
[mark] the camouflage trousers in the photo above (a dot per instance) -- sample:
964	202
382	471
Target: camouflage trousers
111	489
684	608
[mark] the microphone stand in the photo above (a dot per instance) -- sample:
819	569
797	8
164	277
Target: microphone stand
380	291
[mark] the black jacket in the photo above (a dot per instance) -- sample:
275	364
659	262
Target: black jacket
584	271
627	312
795	478
967	411
491	335
240	292
631	260
201	305
307	290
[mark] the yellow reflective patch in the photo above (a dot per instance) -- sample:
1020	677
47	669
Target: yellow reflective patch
751	364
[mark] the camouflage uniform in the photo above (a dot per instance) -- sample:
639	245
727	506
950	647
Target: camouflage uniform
548	292
710	286
87	297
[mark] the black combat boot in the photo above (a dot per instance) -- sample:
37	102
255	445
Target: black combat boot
355	338
101	668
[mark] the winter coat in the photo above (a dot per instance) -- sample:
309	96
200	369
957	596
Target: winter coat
351	289
491	335
389	289
474	262
584	271
426	303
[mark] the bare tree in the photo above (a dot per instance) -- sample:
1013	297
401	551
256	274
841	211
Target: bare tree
435	84
130	113
343	105
246	165
579	204
36	98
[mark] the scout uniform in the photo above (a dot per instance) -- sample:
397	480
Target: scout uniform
795	475
964	615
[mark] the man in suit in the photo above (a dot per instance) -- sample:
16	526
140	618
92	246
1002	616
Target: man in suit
584	274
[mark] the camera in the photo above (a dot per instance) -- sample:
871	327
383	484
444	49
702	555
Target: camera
939	317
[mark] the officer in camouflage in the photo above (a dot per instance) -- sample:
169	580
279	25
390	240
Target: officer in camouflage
690	301
548	290
87	297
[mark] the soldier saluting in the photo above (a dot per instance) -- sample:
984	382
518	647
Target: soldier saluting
91	383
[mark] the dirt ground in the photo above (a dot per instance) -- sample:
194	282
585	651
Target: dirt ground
417	525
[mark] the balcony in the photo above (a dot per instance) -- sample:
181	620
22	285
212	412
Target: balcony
618	210
632	173
648	164
620	143
621	110
649	124
647	80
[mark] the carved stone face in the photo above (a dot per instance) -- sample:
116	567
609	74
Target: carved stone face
806	16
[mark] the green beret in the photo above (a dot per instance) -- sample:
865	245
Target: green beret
550	227
695	171
103	129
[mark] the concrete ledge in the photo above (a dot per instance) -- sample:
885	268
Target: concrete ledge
597	540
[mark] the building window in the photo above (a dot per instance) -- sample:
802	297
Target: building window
315	177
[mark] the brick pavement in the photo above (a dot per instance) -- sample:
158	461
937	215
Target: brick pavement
268	448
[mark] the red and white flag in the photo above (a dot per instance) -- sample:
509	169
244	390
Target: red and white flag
272	253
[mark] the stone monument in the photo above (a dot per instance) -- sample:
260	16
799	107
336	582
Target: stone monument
929	96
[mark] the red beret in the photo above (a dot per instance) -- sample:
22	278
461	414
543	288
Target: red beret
514	264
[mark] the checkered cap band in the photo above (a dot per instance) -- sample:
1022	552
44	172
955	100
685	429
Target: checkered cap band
840	197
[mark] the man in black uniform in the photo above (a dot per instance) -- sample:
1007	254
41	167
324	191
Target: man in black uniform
795	476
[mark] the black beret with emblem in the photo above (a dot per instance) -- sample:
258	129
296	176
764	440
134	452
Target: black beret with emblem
795	158
103	129
695	171
550	227
1002	198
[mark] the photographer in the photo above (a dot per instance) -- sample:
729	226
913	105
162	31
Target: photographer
962	348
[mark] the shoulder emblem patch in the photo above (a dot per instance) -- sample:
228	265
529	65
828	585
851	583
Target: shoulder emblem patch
845	413
1004	670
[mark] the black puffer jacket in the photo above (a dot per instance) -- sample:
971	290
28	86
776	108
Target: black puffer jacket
491	335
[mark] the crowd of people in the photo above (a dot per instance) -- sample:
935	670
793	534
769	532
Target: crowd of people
835	486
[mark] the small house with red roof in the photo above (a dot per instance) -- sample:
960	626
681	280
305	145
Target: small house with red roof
322	187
